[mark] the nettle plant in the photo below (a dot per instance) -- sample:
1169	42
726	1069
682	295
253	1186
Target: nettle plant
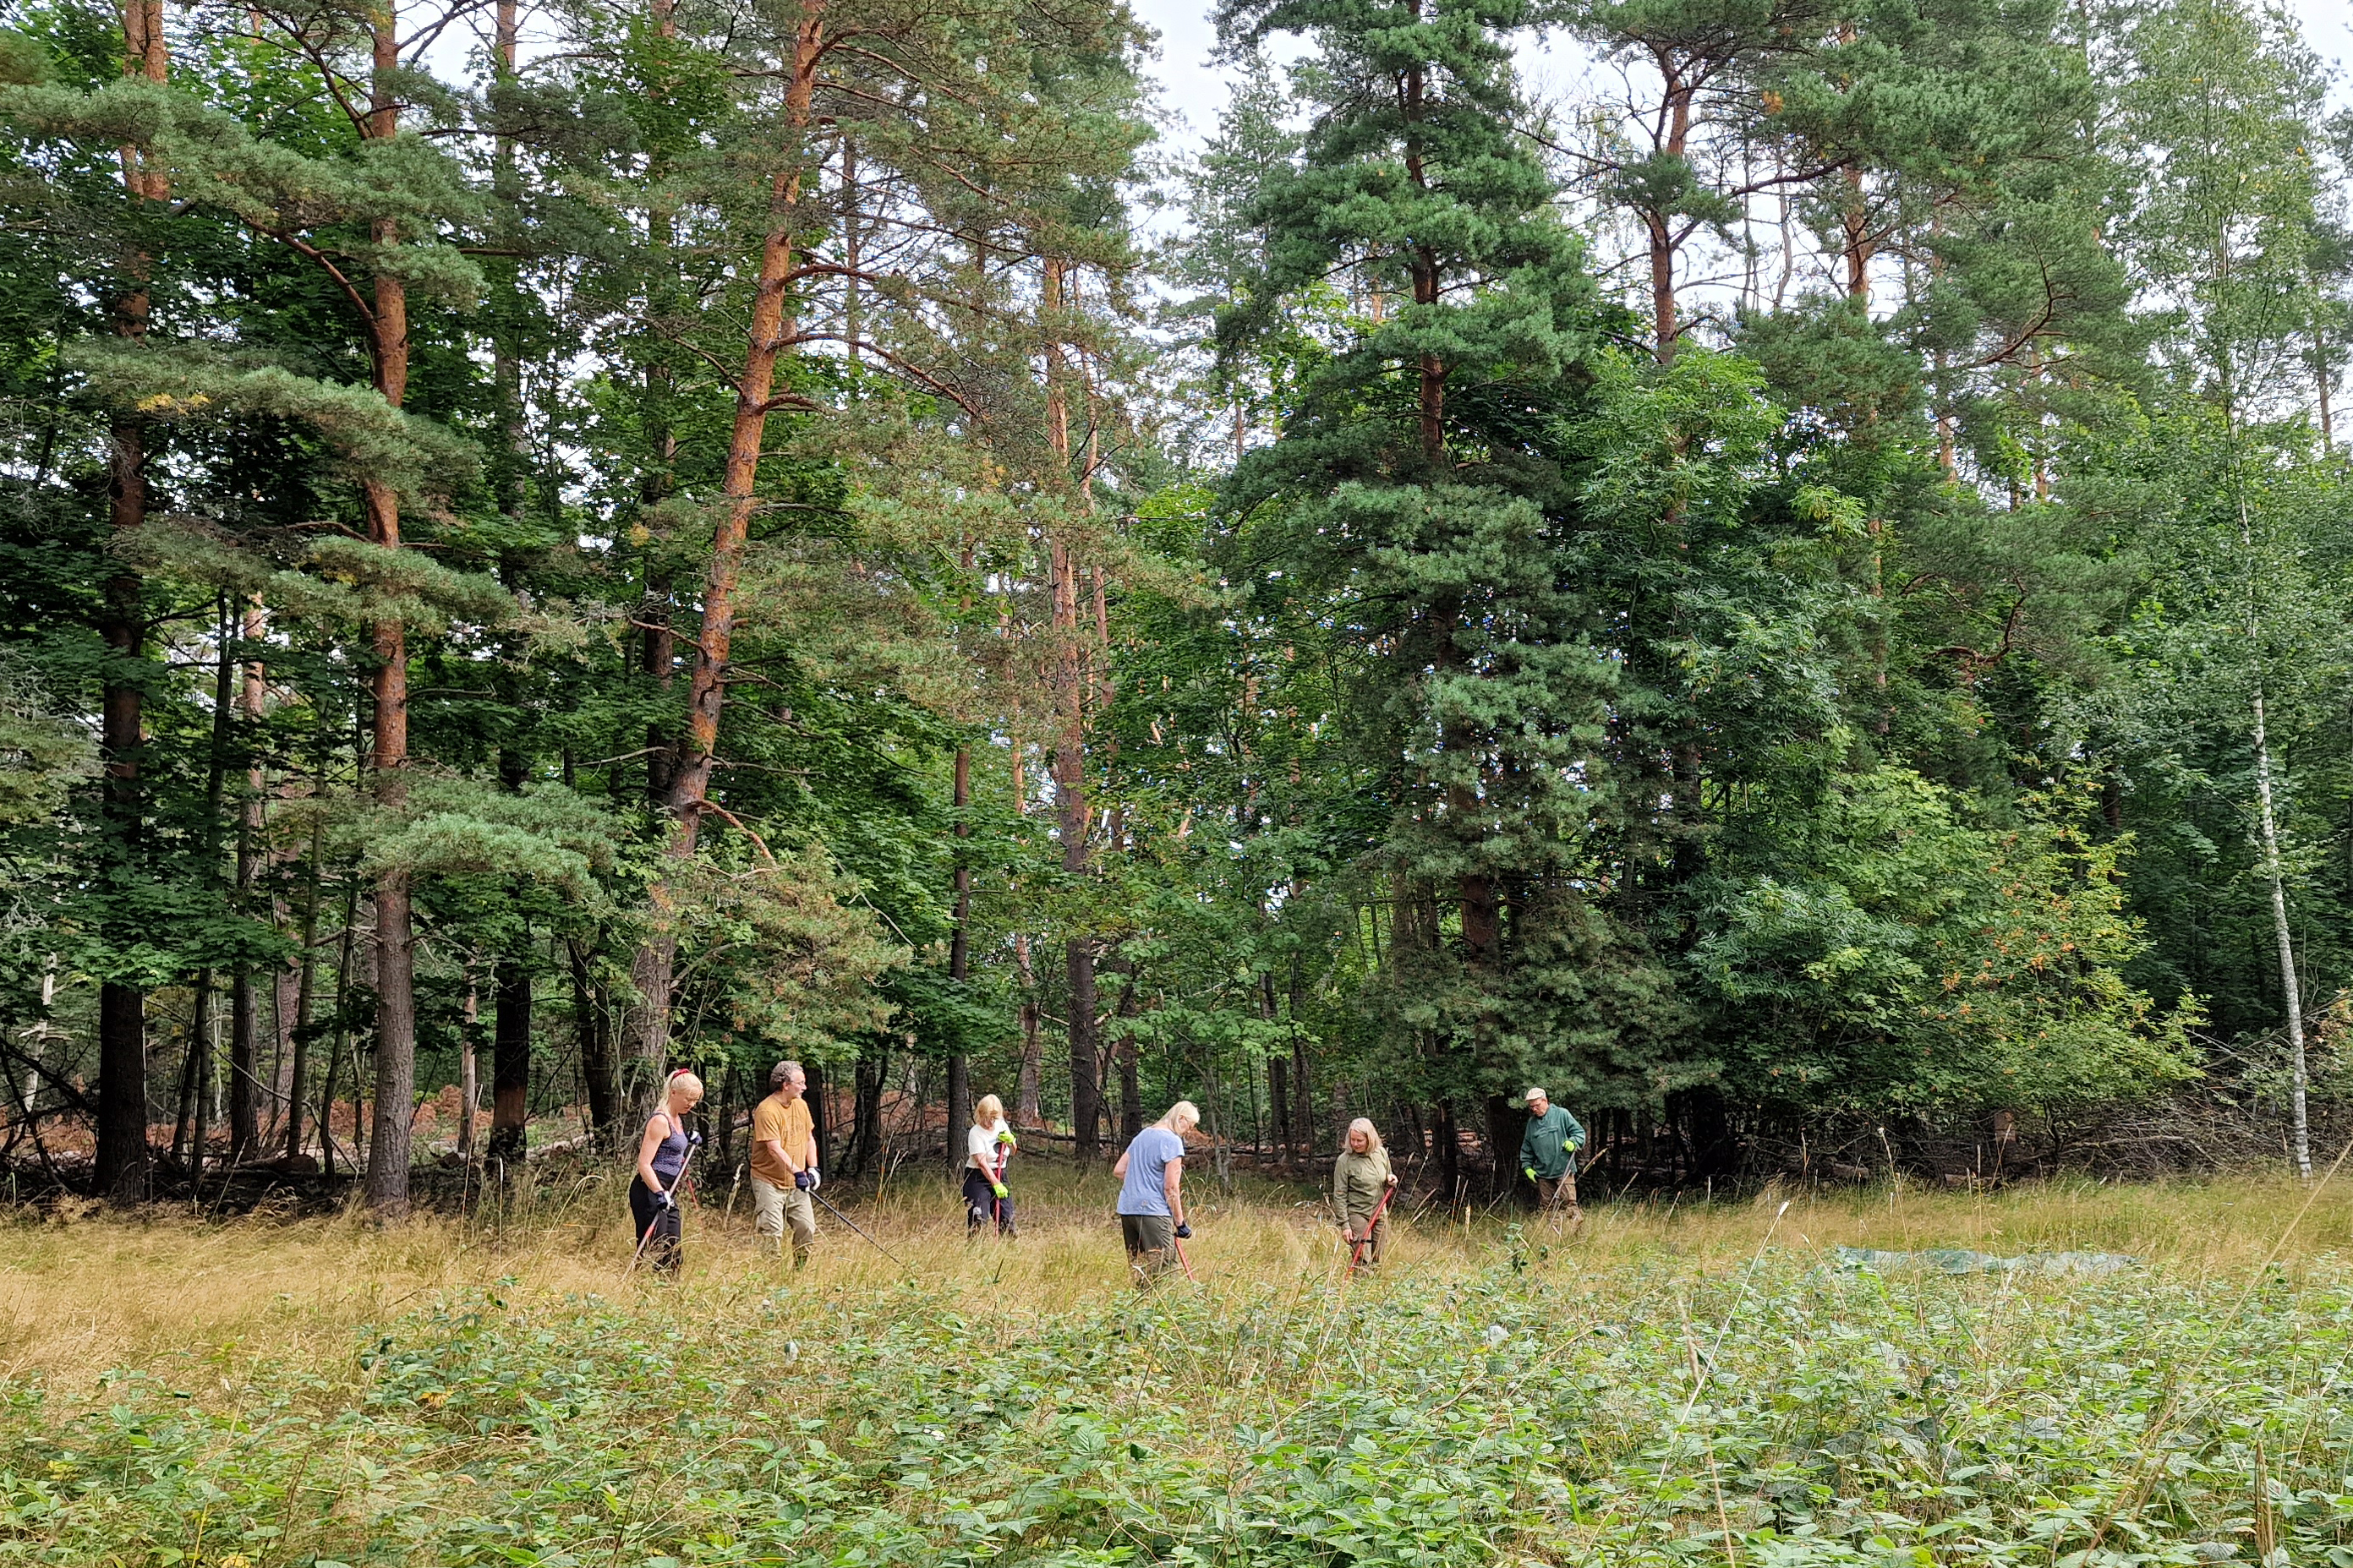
1785	1412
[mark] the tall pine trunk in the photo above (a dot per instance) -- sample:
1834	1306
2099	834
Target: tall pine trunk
244	1059
1030	1109
1658	226
395	1014
122	1157
647	1037
510	1061
1278	1070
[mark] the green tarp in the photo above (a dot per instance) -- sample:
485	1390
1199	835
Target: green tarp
1955	1260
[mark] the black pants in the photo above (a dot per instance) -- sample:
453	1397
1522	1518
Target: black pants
663	1251
981	1204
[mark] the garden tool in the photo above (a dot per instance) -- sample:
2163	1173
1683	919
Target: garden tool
853	1225
1357	1252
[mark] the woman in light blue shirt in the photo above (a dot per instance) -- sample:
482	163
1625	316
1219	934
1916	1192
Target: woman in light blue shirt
1151	1192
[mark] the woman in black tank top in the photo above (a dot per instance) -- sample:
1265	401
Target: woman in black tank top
661	1160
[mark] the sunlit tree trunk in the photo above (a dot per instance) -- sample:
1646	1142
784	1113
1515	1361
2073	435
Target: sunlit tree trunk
395	955
647	1038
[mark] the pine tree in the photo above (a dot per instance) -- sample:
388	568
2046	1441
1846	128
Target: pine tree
1686	162
935	154
1404	487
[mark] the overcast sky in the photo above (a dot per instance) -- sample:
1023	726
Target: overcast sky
1193	89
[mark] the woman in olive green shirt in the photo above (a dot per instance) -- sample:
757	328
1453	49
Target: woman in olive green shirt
1360	1176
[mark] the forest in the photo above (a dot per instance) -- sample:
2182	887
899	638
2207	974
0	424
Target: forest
1794	591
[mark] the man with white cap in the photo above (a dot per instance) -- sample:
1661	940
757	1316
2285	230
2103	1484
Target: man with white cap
1549	1157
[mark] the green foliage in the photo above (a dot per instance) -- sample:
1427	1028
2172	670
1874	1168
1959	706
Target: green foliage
790	962
371	439
1794	1413
43	753
1525	622
1918	961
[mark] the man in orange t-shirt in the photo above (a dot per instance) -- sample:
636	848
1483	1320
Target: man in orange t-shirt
784	1161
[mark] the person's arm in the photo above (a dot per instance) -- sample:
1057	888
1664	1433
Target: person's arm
657	1131
1340	1187
1576	1133
808	1157
1528	1146
775	1148
1119	1166
1171	1179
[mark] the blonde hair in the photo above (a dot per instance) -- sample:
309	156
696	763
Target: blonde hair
1184	1110
1364	1124
988	1112
685	1082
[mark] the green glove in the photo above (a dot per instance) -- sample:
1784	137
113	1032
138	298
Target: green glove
996	1187
1006	1138
1531	1169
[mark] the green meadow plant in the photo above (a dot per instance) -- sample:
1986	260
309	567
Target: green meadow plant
1659	1410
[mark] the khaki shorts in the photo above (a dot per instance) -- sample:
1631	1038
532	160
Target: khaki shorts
774	1208
1151	1244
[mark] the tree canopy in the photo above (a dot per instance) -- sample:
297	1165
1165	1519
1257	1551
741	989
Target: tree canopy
1795	599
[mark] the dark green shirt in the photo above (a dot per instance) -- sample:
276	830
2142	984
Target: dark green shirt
1549	1146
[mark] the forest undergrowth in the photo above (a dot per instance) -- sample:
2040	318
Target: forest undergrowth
1711	1384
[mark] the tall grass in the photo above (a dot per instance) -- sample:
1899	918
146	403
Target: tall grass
80	1294
1661	1388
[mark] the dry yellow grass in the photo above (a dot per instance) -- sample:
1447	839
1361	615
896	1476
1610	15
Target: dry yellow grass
80	1295
442	1390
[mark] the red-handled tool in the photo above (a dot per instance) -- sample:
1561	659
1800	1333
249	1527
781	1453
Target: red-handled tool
1356	1253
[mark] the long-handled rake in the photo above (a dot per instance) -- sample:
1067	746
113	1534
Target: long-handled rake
854	1226
1357	1252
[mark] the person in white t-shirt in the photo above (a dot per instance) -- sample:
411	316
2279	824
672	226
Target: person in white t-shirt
989	1148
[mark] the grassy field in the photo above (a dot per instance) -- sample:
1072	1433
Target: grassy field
1709	1385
